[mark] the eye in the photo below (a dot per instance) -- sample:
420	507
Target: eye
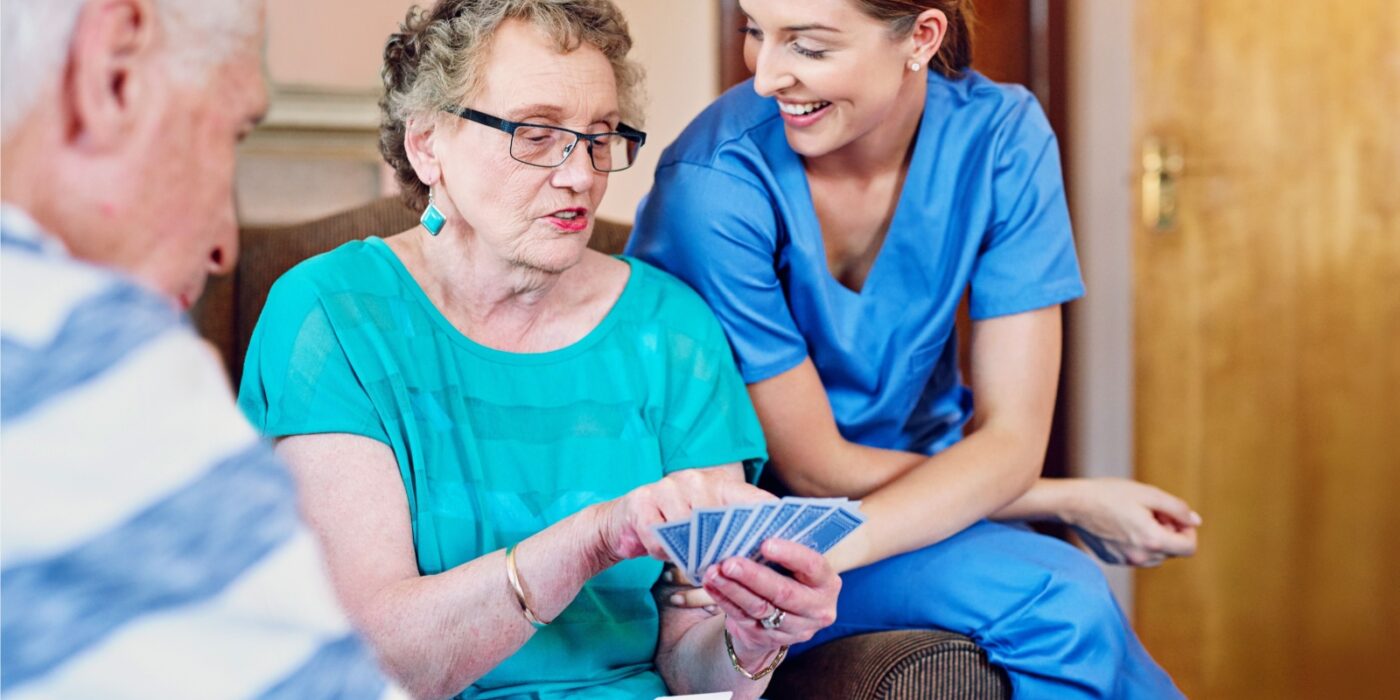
752	32
801	50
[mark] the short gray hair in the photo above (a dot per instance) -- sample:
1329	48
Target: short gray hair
37	33
435	60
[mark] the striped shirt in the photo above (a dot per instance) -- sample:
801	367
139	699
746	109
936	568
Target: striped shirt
151	544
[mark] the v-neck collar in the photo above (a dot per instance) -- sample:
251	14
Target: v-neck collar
809	224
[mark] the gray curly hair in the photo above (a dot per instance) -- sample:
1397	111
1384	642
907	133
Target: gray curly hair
435	60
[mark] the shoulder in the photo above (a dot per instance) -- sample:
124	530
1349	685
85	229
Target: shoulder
665	298
726	133
354	268
975	104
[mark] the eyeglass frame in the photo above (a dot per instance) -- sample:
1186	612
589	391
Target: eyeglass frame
509	127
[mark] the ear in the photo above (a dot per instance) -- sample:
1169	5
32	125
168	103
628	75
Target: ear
420	141
109	62
929	31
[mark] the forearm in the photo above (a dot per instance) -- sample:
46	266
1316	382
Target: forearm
438	634
1048	500
941	496
846	469
697	662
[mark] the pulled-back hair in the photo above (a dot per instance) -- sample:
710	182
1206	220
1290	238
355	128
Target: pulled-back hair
955	55
435	60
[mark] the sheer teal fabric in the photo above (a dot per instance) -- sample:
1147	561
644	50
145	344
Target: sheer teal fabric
495	446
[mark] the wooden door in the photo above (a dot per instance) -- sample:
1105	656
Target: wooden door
1268	344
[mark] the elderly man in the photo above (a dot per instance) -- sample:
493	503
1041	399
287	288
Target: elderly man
152	547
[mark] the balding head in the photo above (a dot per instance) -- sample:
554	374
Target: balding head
121	119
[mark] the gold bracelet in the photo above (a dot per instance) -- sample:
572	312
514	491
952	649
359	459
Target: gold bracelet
513	575
734	659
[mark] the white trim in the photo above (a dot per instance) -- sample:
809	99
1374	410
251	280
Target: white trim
1100	386
313	109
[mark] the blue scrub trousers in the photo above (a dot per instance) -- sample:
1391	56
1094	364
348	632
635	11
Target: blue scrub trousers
1040	608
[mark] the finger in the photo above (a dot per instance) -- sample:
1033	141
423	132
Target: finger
1175	544
745	599
691	598
1166	504
778	590
740	626
806	565
734	613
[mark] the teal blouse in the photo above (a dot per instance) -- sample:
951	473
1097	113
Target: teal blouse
495	446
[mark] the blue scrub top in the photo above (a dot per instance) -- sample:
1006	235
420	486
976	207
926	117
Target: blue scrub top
983	205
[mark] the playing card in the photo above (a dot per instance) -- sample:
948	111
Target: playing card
728	532
706	526
811	512
761	512
675	539
831	529
780	517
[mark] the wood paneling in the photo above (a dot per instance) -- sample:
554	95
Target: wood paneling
1268	373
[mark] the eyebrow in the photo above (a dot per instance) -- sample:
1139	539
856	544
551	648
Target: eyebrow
549	111
802	27
811	28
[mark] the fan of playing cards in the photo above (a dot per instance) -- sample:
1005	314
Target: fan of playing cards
712	535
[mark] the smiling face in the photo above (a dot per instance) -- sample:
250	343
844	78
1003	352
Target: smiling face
837	74
527	216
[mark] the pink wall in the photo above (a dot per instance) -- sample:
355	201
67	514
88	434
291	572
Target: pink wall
330	43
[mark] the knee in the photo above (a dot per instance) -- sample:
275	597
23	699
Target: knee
1077	597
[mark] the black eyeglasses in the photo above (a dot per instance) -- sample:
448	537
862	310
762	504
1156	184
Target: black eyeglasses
549	146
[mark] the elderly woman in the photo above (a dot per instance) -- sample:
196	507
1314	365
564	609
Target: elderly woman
486	418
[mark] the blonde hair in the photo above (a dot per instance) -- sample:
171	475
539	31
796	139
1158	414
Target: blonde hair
435	60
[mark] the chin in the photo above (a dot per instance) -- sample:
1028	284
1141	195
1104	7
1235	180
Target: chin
554	256
810	145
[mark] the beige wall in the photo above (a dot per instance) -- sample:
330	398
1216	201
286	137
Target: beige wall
312	157
330	44
677	41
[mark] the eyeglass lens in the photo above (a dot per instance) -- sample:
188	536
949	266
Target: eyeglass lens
549	148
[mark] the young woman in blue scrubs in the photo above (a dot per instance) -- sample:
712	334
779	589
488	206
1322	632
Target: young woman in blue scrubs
833	212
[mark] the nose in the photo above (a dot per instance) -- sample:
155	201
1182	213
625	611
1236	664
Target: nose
770	73
576	172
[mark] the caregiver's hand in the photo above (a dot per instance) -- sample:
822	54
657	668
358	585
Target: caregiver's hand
626	522
1128	522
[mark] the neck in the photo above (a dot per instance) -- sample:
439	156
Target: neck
490	297
885	148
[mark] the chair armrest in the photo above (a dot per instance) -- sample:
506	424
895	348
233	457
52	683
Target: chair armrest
896	665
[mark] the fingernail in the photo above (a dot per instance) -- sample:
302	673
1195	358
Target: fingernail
1196	518
731	567
677	600
668	576
711	609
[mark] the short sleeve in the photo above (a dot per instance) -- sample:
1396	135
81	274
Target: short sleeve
1026	260
297	377
719	234
708	417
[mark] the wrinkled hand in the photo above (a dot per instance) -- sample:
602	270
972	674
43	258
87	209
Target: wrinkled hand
1128	522
747	592
626	522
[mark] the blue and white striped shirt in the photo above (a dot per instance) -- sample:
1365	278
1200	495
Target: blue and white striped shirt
151	543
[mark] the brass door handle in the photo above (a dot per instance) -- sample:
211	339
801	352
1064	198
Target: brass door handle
1162	164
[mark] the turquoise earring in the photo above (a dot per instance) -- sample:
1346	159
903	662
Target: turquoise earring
432	218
